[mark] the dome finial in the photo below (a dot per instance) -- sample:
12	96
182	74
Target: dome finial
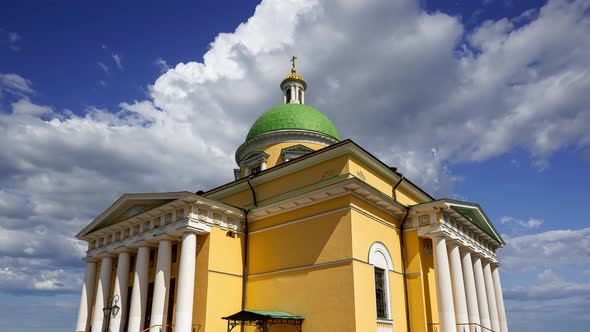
293	86
293	70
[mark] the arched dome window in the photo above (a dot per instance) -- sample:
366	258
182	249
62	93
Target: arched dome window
382	263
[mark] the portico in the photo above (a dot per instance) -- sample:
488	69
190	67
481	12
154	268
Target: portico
131	244
469	294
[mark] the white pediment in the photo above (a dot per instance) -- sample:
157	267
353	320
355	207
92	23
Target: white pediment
130	205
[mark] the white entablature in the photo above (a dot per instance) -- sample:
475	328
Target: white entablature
179	212
440	217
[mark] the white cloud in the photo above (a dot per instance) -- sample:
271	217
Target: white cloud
531	223
104	67
544	250
13	41
394	78
162	64
15	84
117	58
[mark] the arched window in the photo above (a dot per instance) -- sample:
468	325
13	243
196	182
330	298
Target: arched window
380	258
288	95
300	96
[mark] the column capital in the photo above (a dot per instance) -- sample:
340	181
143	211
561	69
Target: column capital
92	259
109	254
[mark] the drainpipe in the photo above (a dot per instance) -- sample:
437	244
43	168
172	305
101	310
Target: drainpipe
404	268
246	235
401	178
403	253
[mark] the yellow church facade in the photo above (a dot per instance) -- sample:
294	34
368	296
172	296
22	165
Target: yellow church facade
315	234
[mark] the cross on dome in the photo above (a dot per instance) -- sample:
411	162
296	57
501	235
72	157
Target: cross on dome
293	86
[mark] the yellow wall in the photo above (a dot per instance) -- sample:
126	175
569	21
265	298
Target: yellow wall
323	295
218	290
312	241
414	277
372	177
285	250
295	180
365	232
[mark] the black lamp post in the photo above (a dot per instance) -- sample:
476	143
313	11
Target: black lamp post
111	307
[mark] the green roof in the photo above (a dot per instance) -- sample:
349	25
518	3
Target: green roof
262	314
477	216
292	116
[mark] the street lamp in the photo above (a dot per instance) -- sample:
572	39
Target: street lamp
112	308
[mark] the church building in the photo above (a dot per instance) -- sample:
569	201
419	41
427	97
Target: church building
315	234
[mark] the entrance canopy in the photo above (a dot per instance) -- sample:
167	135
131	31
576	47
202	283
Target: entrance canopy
263	319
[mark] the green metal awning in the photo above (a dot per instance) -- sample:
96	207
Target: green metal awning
263	319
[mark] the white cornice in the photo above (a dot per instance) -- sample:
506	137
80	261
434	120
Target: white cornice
186	200
348	186
307	161
127	199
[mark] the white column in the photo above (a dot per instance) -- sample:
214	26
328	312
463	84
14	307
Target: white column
458	288
492	306
446	312
139	290
102	292
482	299
162	283
120	292
186	283
87	297
470	291
499	299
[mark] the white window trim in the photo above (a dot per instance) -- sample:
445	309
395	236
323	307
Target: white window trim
377	251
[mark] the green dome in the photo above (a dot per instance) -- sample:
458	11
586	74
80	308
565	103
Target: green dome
292	116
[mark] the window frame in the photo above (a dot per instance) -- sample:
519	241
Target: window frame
380	258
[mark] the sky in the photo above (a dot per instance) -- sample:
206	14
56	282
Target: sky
485	101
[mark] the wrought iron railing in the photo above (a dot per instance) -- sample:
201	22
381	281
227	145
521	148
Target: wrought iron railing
384	325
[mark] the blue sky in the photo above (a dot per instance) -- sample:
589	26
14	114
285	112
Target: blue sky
483	101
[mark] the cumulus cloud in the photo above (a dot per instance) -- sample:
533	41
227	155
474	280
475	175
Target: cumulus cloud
546	282
543	250
413	87
15	84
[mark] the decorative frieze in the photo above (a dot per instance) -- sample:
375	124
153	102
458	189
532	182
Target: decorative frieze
139	229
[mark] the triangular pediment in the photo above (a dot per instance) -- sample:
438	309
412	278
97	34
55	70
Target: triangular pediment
130	205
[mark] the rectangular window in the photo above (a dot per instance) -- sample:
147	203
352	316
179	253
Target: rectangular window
380	293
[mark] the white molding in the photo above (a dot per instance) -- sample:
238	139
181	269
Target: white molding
283	136
310	266
453	234
349	208
349	186
331	153
378	248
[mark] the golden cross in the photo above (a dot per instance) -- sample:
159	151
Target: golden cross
293	60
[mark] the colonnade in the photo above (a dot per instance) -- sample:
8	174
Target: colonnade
139	293
468	288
